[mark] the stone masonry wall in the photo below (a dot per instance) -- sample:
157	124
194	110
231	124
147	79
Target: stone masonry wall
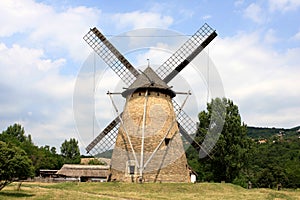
169	163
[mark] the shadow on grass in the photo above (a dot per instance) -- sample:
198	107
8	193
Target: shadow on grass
14	194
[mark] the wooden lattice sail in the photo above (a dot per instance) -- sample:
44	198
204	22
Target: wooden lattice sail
146	136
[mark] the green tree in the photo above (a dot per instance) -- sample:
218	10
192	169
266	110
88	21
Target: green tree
232	150
15	134
14	164
48	160
53	150
41	157
70	151
276	162
96	161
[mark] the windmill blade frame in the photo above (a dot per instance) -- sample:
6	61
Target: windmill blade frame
205	148
184	119
186	53
188	138
106	139
188	127
111	56
167	71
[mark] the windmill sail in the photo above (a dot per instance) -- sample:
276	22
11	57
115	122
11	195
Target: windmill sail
186	53
105	140
188	138
206	147
186	122
188	128
111	56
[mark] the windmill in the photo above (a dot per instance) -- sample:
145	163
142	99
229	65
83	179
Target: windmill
146	136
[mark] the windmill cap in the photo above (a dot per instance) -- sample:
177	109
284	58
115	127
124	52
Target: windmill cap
148	80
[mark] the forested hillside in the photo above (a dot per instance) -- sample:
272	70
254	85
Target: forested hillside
264	157
276	158
259	132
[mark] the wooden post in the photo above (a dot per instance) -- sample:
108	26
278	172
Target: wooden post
279	186
19	186
249	186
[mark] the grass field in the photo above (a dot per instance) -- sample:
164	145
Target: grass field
84	191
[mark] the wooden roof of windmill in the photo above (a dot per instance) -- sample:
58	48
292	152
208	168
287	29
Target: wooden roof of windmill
148	80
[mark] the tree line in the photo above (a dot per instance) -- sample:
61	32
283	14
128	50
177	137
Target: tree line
240	159
237	156
20	158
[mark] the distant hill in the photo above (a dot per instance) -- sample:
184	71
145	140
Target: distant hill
253	132
106	154
264	132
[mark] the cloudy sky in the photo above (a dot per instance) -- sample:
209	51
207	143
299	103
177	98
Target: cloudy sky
42	55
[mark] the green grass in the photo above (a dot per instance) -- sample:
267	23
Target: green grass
43	191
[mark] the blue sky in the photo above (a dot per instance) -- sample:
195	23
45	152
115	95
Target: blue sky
42	51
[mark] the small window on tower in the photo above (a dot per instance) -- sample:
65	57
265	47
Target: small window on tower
131	169
167	141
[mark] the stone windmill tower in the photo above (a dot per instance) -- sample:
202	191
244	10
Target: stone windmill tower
146	136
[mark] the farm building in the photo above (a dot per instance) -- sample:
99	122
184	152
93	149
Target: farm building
48	173
85	173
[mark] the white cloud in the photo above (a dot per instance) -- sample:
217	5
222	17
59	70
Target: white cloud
65	30
42	42
41	95
205	17
26	64
238	2
254	12
270	37
297	36
187	14
156	55
35	94
262	81
20	16
138	19
284	5
47	27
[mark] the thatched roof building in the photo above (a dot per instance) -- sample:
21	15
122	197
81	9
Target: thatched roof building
48	173
84	172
